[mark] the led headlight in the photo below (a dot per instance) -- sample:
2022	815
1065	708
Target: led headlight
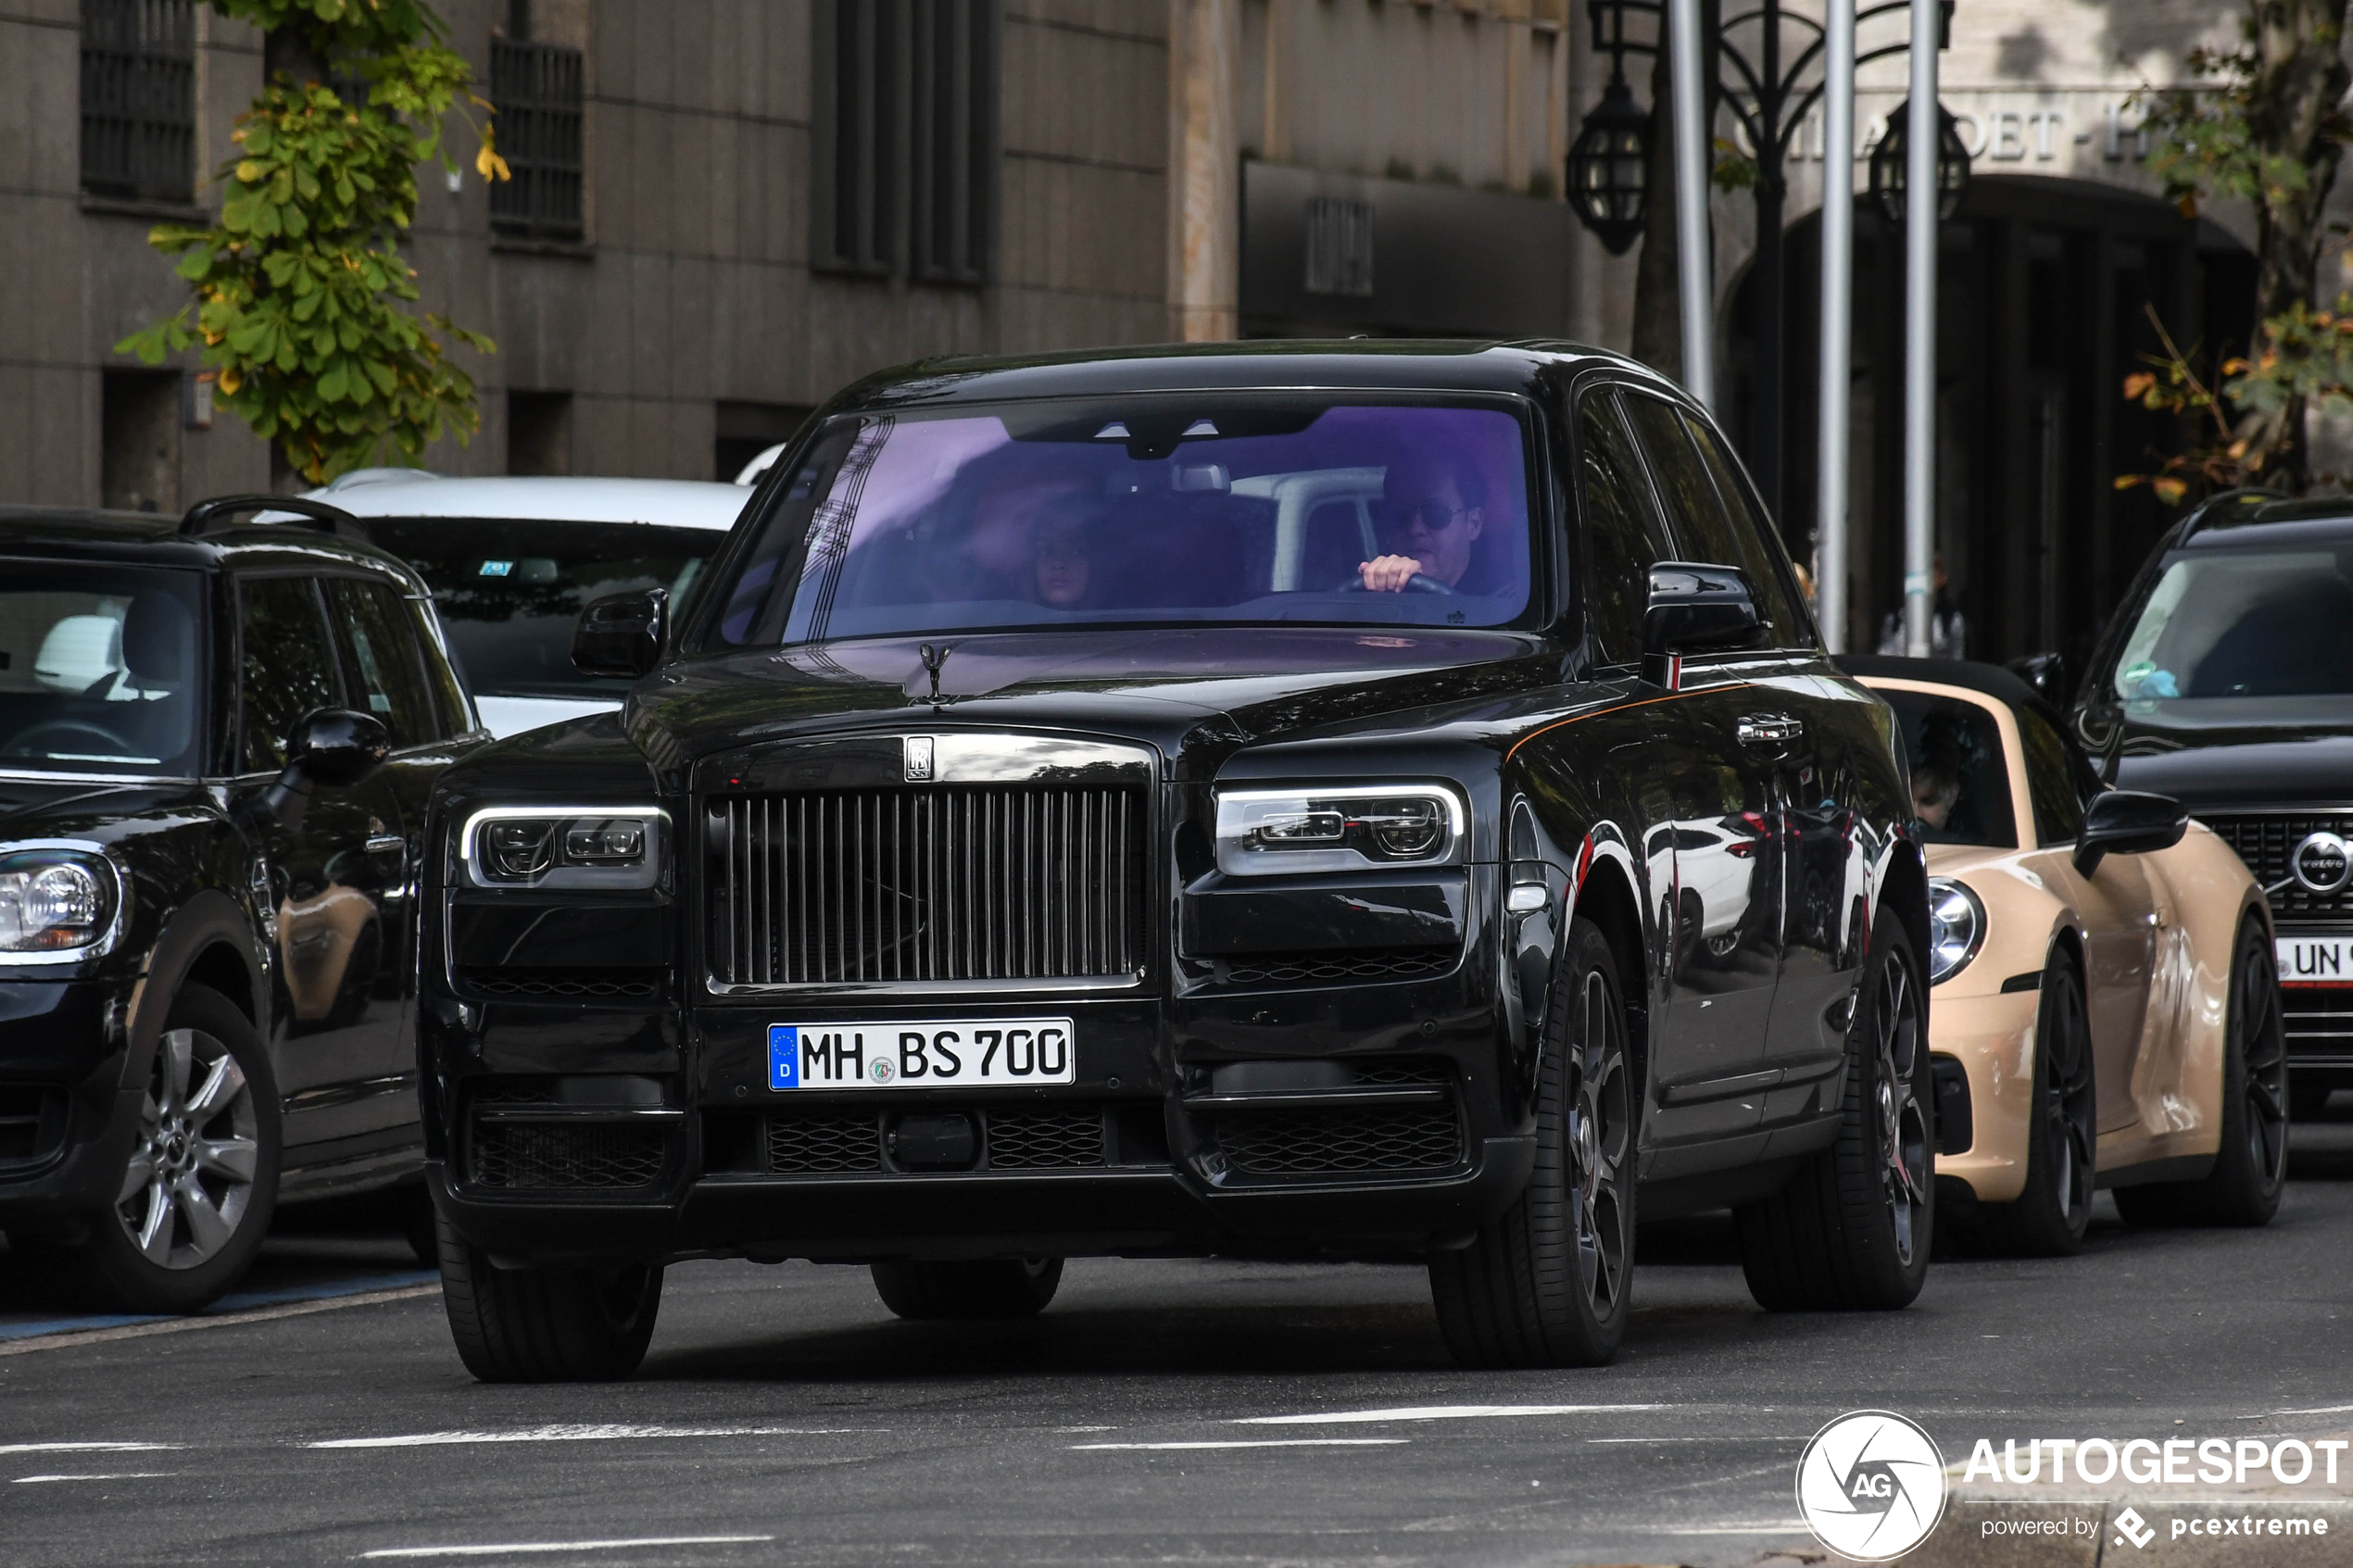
56	903
1955	928
573	846
1276	832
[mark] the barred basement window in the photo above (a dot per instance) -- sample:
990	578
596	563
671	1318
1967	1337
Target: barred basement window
139	99
907	145
1339	246
537	90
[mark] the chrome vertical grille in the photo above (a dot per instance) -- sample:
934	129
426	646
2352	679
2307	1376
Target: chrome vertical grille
1025	882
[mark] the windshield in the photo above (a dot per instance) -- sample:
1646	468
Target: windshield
2243	636
99	670
509	591
1193	510
1960	778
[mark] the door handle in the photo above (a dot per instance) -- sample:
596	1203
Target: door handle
1770	729
386	844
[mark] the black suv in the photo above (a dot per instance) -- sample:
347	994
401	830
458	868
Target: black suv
215	743
2226	680
1343	800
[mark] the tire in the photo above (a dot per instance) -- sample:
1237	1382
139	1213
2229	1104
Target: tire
1853	1228
200	1178
988	1287
2250	1168
1547	1285
545	1325
2047	1220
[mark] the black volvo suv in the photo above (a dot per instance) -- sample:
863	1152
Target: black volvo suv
2226	680
215	743
1358	800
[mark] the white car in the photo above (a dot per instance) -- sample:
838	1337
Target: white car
511	561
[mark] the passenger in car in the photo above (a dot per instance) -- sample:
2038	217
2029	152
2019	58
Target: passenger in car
1065	551
1432	512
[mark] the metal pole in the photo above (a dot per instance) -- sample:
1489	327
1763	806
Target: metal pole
1766	426
1838	326
1694	264
1920	195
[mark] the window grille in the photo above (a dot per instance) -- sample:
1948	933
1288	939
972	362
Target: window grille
537	90
907	138
139	99
1340	246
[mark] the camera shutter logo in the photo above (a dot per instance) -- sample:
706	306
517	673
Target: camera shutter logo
2323	863
1871	1485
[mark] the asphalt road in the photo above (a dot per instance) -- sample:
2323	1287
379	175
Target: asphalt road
1190	1413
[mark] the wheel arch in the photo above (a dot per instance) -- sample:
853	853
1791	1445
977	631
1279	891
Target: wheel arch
1605	896
207	940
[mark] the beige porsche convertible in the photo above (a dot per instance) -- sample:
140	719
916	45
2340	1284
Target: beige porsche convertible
2104	1003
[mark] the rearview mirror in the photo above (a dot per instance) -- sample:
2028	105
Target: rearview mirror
622	633
332	746
1694	606
2129	821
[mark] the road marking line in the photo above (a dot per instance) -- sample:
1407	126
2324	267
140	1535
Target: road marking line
87	1448
602	1434
238	1302
1254	1443
2317	1410
1642	1439
224	1320
501	1550
1440	1413
116	1475
1767	1529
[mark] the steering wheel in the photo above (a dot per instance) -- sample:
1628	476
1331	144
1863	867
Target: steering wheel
31	742
1417	583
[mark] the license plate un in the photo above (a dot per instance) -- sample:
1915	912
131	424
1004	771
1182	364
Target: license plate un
987	1053
2316	961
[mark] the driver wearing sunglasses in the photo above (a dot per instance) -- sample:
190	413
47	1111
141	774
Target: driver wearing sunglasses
1431	513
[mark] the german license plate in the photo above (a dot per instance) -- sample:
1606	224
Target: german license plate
990	1052
2316	961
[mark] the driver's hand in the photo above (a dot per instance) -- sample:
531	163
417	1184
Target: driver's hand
1389	574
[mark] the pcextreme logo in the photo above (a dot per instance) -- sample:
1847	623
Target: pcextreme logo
1871	1485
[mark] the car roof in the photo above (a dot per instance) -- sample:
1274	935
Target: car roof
2250	520
1371	364
676	503
92	533
1985	680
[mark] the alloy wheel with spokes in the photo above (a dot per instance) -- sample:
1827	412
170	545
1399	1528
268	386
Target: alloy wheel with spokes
2262	1044
199	1177
189	1183
1600	1137
1906	1148
2053	1211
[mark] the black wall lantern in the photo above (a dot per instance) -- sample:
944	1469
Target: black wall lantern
1606	168
1891	159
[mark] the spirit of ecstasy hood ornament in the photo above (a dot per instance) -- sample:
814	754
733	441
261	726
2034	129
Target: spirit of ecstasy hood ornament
933	656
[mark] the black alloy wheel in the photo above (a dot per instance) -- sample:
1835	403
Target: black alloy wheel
1549	1282
1852	1229
975	1290
2050	1215
200	1168
2250	1169
581	1324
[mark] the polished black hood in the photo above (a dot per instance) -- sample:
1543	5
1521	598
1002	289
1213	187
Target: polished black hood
2310	770
82	809
1181	690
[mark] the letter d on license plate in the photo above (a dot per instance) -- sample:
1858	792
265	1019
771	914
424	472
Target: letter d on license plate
996	1051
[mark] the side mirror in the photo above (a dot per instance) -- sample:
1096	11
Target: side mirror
622	634
334	747
2129	821
2047	672
1694	606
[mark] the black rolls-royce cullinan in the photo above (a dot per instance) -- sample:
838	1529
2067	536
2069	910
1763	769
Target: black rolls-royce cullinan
1357	799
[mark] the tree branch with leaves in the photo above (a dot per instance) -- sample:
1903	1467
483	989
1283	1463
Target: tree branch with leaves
301	296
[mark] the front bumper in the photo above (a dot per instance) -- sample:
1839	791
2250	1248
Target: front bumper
1165	1174
1993	1038
61	1095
